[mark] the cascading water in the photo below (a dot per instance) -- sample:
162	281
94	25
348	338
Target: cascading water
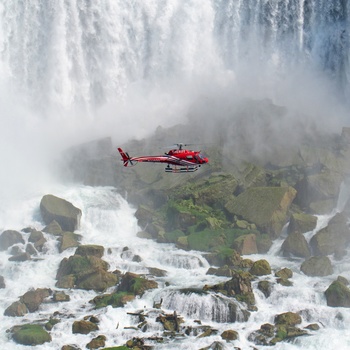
73	70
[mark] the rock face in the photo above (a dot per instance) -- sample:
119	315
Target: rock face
266	207
60	210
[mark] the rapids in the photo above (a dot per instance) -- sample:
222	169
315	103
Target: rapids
109	220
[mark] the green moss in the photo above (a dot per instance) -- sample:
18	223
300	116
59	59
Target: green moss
117	348
173	236
31	334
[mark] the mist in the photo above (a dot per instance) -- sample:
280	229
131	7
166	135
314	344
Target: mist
242	75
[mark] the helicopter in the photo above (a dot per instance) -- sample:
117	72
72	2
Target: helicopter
178	160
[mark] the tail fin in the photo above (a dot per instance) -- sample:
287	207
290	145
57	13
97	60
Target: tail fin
125	157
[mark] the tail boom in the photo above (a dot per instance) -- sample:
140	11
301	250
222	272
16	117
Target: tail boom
125	157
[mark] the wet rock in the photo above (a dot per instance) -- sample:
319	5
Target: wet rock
221	271
295	245
2	282
170	322
37	237
33	298
10	237
260	268
97	342
85	272
214	346
135	284
30	334
117	299
60	296
20	257
333	238
68	240
284	273
31	250
90	250
266	207
84	327
229	257
265	287
16	309
229	335
60	210
154	271
288	318
53	228
301	222
338	295
70	347
246	244
317	266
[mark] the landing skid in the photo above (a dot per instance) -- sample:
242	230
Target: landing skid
187	169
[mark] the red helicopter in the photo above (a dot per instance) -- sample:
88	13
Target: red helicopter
179	160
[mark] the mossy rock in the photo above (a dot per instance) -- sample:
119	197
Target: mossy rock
224	256
266	207
260	268
338	295
302	223
135	284
118	299
30	334
84	327
246	244
90	250
68	240
288	318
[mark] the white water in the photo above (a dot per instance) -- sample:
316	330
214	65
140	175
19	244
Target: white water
71	71
108	220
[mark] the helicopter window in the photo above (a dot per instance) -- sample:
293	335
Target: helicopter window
189	157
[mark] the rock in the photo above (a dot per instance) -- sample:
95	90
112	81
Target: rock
68	240
260	268
38	239
118	299
317	266
90	250
135	284
295	245
30	249
239	287
266	207
288	318
33	298
246	244
224	256
60	210
302	223
53	228
333	238
284	273
70	347
154	271
85	272
265	287
338	295
229	335
20	257
10	237
60	296
84	327
97	342
16	309
30	334
216	345
2	282
170	322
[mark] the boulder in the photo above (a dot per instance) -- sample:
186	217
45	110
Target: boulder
84	327
246	244
134	283
96	343
20	257
284	273
317	266
37	237
229	335
33	298
30	334
288	318
302	223
266	207
10	237
265	287
338	295
53	228
16	309
68	240
118	299
60	210
295	245
333	238
90	250
85	272
2	282
260	268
